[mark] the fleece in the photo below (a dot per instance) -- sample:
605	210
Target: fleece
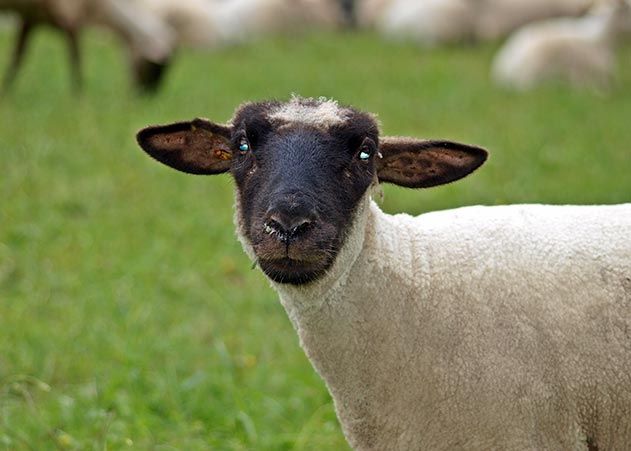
578	51
208	24
478	328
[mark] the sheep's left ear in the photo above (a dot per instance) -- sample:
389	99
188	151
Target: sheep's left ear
196	147
416	163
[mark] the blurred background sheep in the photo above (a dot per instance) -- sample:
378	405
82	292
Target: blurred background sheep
577	51
434	22
151	31
211	23
147	40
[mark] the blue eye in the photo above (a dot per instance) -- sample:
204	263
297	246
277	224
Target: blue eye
243	145
364	155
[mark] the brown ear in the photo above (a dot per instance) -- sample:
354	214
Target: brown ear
196	147
416	163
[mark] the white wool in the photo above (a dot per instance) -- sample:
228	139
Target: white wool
508	327
146	34
429	21
578	51
213	23
498	18
447	21
321	113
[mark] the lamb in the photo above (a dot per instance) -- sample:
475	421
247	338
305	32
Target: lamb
150	42
505	327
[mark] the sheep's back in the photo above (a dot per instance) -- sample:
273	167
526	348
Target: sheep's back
536	301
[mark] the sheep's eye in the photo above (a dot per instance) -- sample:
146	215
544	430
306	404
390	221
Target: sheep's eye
364	154
366	149
243	145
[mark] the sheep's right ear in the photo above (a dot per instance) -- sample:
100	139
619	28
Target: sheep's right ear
196	147
417	163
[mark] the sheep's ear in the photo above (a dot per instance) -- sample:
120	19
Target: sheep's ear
196	147
416	163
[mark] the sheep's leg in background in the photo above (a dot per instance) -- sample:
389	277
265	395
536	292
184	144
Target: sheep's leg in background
348	8
19	49
75	58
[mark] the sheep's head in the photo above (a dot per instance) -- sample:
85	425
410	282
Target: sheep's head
301	168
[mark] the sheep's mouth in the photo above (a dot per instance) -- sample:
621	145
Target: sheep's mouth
291	271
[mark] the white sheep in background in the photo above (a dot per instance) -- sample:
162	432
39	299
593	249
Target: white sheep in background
148	41
208	24
478	328
578	51
434	22
429	22
498	18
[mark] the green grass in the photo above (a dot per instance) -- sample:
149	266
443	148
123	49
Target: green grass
129	316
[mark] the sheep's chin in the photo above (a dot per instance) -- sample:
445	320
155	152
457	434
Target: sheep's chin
293	272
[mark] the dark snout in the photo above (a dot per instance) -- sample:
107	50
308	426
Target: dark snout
289	217
292	242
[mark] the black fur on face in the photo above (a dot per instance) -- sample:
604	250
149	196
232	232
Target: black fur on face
299	183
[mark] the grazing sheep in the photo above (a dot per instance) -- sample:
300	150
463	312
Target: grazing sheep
578	51
476	328
149	42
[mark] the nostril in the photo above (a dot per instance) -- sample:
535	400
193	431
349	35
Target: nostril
299	226
275	226
286	228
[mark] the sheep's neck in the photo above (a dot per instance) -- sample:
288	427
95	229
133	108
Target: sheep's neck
352	331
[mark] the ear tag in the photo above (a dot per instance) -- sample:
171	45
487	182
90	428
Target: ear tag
364	156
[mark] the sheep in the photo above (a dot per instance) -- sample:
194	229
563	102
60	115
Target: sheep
213	23
149	41
577	51
428	22
498	18
433	22
503	327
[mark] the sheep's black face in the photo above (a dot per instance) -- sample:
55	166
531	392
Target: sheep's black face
299	184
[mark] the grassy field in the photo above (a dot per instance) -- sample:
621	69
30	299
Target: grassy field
129	316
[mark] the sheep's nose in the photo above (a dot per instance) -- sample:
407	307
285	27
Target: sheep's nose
288	221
